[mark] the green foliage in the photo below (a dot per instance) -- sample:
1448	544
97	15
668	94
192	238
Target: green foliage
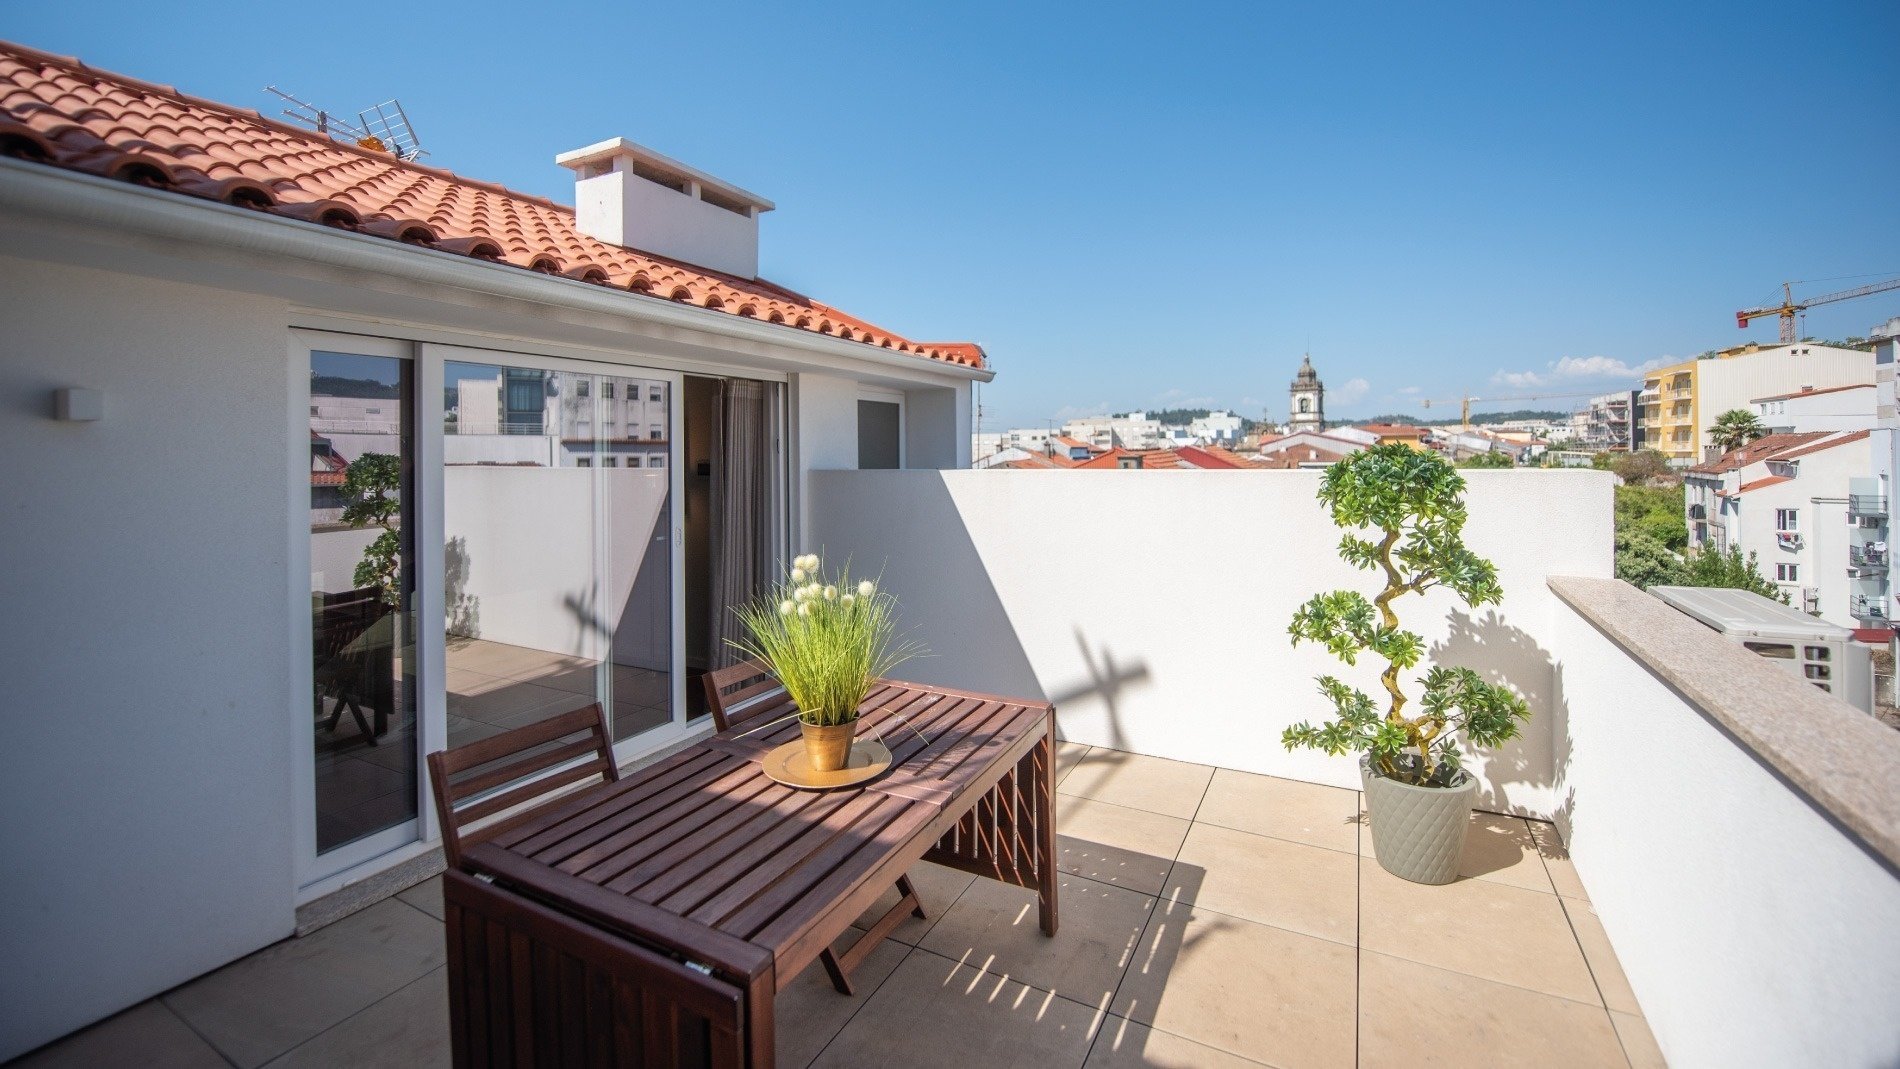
1640	467
1736	428
1852	341
828	641
1643	561
1413	501
1655	511
371	484
1731	569
1494	459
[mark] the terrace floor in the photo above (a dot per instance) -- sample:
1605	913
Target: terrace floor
1209	918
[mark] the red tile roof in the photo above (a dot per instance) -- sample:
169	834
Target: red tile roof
1151	459
1754	484
1394	430
1759	449
1194	456
58	111
1845	439
1812	393
1298	456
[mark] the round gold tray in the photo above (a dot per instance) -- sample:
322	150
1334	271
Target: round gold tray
787	765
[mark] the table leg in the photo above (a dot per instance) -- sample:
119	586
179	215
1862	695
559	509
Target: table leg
1045	802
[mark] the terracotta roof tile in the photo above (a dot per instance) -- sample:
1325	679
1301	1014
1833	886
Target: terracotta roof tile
58	111
1193	456
1759	449
1845	439
1298	456
1754	484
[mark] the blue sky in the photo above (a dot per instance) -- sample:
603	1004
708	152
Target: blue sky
1143	205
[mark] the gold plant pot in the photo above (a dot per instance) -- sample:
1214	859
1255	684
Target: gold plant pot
828	747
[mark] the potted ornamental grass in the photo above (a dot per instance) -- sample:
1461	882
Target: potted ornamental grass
1403	512
828	640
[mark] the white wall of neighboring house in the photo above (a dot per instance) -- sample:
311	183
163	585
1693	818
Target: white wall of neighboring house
1724	385
1840	409
1219	428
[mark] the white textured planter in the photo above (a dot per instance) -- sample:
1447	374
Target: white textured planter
1418	833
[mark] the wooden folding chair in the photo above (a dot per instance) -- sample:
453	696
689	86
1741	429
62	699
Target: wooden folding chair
535	750
748	694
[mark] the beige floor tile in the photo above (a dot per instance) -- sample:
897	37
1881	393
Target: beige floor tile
937	887
1125	1045
1492	930
809	1012
1563	874
996	928
1154	784
1283	808
1601	956
1501	849
1249	989
1307	889
148	1035
937	1012
1412	1014
1068	755
1111	844
426	896
407	1030
261	1006
1639	1045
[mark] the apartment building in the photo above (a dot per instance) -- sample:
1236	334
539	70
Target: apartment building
1682	401
1609	421
1810	510
1836	408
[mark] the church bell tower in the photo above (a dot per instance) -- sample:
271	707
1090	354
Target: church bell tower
1306	400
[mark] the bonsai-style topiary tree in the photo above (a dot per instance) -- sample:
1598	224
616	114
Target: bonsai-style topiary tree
371	483
1413	503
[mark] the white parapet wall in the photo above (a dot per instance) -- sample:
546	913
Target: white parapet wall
1152	606
1736	830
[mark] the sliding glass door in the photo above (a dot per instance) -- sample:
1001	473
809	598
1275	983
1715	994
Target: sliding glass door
560	561
363	759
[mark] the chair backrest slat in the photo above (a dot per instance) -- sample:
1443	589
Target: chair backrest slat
537	750
743	692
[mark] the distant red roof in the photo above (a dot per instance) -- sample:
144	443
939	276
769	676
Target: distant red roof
1297	457
59	112
1394	430
1194	456
1846	439
1753	484
1151	459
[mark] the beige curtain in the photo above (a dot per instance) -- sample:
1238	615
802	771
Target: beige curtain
745	505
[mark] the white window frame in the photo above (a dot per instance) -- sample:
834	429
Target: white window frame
1787	573
1788	520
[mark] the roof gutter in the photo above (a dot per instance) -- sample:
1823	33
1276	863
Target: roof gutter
71	195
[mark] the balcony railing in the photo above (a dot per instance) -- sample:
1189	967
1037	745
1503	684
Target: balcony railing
1867	556
1872	609
1867	504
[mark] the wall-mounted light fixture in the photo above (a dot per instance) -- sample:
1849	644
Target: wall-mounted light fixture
76	405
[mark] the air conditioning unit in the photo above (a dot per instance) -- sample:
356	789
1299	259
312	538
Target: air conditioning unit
1811	599
1821	653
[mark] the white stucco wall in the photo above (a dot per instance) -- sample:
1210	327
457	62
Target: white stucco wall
527	544
1072	586
145	642
1752	929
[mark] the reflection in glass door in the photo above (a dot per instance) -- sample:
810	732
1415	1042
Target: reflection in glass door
362	593
558	563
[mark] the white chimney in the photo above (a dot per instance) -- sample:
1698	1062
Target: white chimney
626	194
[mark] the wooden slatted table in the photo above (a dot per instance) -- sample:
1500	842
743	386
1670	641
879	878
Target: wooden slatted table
652	921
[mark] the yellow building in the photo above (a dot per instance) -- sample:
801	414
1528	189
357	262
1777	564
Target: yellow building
1668	402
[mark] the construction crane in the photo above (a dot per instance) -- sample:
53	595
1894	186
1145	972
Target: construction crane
1464	403
1789	308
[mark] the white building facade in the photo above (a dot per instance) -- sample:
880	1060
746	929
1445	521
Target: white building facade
1833	408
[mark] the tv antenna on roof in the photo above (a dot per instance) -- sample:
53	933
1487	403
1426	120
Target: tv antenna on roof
382	127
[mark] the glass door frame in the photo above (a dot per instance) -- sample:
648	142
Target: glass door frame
434	631
313	870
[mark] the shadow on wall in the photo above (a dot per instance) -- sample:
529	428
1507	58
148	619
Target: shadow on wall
1507	655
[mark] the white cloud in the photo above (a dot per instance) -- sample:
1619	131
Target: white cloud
1411	391
1572	369
1351	392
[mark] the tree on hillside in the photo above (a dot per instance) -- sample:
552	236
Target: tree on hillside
1736	428
1497	458
1655	511
1638	469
